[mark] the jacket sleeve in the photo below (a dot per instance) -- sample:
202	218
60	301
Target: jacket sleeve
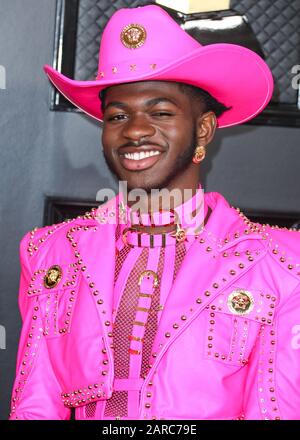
36	394
272	390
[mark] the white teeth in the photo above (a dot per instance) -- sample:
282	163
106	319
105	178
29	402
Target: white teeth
141	155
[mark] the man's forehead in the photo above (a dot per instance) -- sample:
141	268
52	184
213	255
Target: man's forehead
148	85
149	93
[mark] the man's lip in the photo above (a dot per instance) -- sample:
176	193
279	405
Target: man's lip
144	148
139	165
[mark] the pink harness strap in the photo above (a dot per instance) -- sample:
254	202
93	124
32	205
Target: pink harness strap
128	384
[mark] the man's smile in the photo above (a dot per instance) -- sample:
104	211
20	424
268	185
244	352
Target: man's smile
137	159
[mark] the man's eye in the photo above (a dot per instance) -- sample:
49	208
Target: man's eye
162	113
116	117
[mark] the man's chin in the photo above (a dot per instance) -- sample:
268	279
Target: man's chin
140	180
140	185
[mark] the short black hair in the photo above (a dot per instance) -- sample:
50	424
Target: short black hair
200	95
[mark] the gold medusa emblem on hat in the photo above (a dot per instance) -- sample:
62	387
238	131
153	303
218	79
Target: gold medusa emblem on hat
133	36
240	302
52	277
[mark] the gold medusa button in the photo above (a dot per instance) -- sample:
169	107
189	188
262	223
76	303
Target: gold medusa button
240	302
53	276
133	36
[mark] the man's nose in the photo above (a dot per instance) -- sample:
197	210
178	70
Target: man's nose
138	127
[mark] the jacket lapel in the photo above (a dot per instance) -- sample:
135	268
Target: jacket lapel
211	266
94	247
94	244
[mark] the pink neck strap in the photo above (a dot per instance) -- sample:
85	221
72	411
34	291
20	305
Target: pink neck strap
189	217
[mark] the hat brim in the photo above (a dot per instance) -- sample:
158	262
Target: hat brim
234	75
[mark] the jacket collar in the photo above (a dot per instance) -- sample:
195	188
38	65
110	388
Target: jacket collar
225	225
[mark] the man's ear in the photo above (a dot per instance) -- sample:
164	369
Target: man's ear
206	127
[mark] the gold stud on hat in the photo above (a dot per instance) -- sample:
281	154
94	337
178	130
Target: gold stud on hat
133	36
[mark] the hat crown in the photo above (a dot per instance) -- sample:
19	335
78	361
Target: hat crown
141	40
146	44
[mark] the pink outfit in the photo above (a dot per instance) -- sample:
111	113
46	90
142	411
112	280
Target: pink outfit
206	360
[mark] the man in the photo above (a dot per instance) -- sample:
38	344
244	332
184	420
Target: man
186	311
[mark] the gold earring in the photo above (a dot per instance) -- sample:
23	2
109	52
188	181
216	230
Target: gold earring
199	154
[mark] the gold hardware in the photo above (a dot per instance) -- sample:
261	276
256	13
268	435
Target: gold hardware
139	323
145	295
240	302
133	36
148	273
53	276
142	309
135	338
131	351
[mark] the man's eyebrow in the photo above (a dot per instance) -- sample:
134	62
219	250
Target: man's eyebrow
155	101
115	104
148	103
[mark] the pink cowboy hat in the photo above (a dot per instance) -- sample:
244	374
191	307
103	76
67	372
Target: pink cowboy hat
145	43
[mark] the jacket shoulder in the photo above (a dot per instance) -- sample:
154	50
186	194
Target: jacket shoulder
284	247
283	243
42	237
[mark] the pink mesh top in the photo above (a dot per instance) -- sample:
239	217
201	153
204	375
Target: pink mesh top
137	308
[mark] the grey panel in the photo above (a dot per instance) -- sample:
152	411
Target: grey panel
92	17
276	24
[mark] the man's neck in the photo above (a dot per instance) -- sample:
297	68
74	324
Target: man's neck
166	200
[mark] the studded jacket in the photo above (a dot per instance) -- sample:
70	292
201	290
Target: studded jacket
227	344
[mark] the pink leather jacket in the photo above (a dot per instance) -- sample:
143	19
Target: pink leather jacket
216	355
